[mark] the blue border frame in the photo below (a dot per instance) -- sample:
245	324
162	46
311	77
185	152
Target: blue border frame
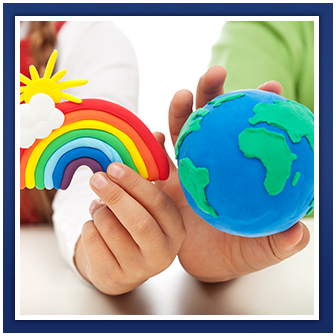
325	323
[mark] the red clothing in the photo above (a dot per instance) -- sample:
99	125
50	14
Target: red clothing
28	211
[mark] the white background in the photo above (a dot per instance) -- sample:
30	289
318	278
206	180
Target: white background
173	53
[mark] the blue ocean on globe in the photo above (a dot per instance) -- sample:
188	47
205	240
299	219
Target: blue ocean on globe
241	169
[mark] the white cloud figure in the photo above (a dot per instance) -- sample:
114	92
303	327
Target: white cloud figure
38	119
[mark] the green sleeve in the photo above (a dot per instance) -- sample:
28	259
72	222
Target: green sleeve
254	52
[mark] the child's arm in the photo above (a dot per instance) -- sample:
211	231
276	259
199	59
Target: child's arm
135	232
209	254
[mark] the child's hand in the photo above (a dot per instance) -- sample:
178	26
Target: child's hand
209	254
136	232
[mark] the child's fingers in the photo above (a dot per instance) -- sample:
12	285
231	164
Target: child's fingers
95	205
152	198
135	218
210	85
179	110
102	264
116	237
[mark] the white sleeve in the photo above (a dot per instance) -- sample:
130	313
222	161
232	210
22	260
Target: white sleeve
71	212
102	54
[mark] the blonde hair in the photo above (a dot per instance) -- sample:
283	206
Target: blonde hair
42	42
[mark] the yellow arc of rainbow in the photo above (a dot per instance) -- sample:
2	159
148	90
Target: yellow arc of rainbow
88	124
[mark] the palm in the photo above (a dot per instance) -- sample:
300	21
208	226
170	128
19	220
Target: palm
213	255
207	251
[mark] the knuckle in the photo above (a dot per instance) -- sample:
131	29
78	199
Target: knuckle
166	259
164	255
161	262
141	224
106	280
133	182
160	201
138	274
111	278
114	197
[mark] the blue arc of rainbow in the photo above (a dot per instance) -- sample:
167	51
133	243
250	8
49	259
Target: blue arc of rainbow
95	133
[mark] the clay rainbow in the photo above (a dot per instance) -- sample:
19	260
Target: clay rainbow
95	133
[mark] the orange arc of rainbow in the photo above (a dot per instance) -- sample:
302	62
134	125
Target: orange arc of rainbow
34	153
161	166
121	112
153	172
152	169
150	163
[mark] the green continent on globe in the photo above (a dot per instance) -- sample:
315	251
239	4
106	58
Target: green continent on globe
191	125
311	208
296	178
219	101
290	116
195	180
272	150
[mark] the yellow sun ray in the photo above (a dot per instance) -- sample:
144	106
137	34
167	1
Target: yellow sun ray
71	83
22	88
24	79
70	97
59	75
33	73
50	65
48	85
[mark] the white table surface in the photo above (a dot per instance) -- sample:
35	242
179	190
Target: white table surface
49	287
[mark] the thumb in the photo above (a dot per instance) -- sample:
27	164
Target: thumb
295	239
171	186
271	86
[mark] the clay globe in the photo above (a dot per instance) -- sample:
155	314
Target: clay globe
246	162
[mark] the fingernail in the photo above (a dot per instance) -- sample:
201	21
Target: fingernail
93	205
293	236
264	84
115	171
98	181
